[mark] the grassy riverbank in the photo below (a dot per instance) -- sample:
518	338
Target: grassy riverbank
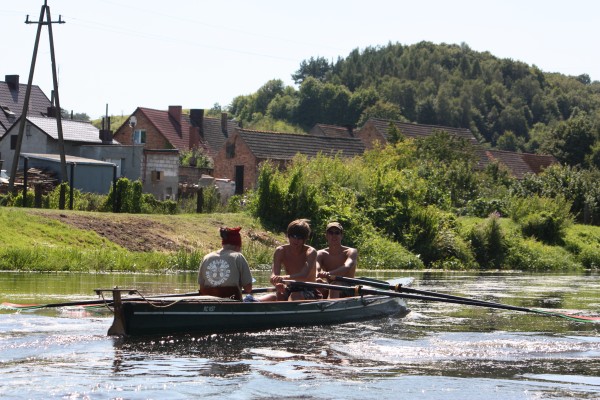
54	240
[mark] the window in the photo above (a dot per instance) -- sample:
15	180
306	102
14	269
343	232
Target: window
230	150
139	136
156	176
13	142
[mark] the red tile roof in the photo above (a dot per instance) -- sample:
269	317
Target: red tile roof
176	132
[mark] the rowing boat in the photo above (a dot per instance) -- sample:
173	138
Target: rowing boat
210	315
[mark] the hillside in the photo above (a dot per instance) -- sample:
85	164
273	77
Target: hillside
508	104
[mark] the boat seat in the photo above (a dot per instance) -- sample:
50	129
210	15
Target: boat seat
228	292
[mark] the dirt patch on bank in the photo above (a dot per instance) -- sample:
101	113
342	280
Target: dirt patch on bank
134	234
141	233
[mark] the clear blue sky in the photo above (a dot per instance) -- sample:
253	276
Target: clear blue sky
196	53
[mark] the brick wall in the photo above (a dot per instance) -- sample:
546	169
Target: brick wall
154	140
166	166
225	167
369	135
192	174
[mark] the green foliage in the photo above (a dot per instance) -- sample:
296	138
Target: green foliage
195	158
543	218
489	243
504	102
377	252
532	255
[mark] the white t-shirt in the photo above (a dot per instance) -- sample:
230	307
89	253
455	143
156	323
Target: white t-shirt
224	268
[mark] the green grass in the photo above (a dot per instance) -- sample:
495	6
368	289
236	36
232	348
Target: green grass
21	229
32	241
39	240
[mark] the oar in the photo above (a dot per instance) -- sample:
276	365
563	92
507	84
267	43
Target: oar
400	288
360	290
100	302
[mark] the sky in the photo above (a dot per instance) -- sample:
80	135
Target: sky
123	54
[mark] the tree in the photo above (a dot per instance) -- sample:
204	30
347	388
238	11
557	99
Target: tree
317	68
74	116
507	141
572	140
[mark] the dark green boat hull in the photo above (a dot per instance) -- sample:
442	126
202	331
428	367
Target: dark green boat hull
203	316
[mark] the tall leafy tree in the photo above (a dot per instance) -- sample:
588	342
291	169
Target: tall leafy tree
317	68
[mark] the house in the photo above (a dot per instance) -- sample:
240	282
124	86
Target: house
518	164
171	129
376	130
81	139
164	134
12	97
242	153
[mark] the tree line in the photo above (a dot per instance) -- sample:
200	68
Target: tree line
507	104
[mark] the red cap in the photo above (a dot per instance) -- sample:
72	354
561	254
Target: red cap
231	236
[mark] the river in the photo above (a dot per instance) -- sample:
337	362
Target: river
439	351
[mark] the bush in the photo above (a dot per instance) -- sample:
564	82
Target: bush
488	242
377	252
544	218
531	255
543	226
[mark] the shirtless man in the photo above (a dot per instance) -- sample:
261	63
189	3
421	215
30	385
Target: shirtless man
336	259
298	260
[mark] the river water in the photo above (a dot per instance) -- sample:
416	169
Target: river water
439	351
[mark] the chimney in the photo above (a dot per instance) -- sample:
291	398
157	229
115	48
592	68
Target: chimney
224	123
12	81
175	113
197	118
350	129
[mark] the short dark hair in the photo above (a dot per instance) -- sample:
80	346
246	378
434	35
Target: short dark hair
300	228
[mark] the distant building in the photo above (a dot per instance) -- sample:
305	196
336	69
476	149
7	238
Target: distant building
12	97
164	134
242	153
81	139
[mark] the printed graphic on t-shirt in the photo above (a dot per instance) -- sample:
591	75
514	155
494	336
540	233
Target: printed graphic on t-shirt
217	272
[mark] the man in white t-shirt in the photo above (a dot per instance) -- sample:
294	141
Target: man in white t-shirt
225	272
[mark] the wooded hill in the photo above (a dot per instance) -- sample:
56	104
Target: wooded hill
507	104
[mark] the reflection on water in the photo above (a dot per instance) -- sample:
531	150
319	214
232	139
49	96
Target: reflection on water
439	351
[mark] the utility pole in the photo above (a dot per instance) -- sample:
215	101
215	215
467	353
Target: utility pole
45	11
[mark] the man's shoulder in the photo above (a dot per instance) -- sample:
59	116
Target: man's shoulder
324	251
349	250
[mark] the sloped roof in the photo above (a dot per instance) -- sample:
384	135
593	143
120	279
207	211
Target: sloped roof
73	131
11	101
213	135
519	164
68	159
539	162
331	130
176	132
284	146
417	131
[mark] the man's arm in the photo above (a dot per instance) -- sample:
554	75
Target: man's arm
276	269
349	264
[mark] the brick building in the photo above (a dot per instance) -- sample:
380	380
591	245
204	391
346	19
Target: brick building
242	153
